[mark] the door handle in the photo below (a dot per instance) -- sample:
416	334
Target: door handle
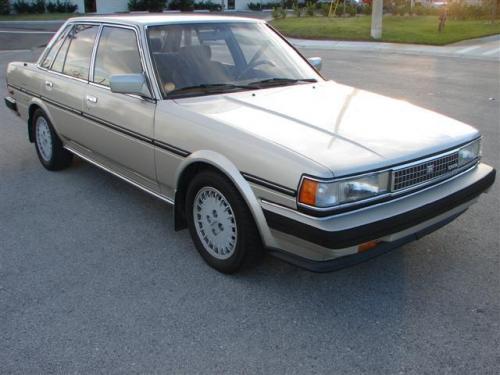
49	84
91	99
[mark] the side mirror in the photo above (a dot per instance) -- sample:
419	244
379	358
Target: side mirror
129	84
316	62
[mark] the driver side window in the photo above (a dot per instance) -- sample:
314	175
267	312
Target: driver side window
117	53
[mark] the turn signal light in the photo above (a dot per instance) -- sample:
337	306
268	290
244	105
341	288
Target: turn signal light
307	194
367	246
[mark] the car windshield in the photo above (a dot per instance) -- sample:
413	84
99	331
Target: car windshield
207	58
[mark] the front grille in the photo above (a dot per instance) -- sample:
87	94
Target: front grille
417	174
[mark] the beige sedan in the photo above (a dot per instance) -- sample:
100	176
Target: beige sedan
222	118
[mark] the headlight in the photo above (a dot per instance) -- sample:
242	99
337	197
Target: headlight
329	194
469	153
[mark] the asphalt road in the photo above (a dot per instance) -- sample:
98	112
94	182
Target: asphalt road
93	279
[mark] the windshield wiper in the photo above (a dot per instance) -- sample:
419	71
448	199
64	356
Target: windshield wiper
281	81
207	88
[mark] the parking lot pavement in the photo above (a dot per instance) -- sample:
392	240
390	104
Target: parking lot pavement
93	279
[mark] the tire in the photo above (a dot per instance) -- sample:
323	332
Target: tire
48	145
220	223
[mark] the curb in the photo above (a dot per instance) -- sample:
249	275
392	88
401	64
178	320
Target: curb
456	51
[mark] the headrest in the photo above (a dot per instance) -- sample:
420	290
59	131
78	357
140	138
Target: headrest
200	52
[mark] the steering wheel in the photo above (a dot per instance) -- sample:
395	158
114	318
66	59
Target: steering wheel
254	62
250	67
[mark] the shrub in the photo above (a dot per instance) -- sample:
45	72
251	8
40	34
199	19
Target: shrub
270	5
137	5
297	10
278	12
310	7
351	10
61	7
366	9
325	9
22	6
254	6
459	10
149	5
208	5
4	7
184	5
38	6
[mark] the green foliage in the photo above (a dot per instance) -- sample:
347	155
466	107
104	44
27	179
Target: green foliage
4	7
22	6
208	5
351	10
297	10
421	10
61	7
459	10
184	5
366	9
254	6
324	9
278	13
146	5
310	7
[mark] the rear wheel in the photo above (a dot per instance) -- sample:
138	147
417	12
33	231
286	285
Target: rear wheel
220	223
49	147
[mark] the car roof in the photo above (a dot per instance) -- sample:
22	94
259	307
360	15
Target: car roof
163	19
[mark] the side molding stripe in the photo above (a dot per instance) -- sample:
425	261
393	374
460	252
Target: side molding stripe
118	128
165	146
269	184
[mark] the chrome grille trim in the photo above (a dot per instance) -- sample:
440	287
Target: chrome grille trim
424	172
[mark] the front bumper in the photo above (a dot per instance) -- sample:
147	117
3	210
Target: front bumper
322	244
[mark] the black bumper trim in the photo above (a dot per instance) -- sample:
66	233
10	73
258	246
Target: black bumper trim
351	260
11	103
357	235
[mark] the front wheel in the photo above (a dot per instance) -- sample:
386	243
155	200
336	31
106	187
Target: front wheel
220	223
49	147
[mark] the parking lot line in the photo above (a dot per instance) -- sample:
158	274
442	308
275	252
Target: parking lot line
25	32
468	49
491	52
15	50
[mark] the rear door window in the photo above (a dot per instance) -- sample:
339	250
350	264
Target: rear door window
81	43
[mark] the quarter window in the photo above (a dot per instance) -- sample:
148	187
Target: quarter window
61	56
81	43
117	53
49	58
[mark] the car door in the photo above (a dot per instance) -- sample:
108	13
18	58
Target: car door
122	125
67	66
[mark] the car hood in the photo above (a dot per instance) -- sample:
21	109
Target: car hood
345	129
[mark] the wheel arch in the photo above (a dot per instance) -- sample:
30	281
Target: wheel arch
35	104
206	159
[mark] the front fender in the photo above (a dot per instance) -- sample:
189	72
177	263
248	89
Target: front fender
224	165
